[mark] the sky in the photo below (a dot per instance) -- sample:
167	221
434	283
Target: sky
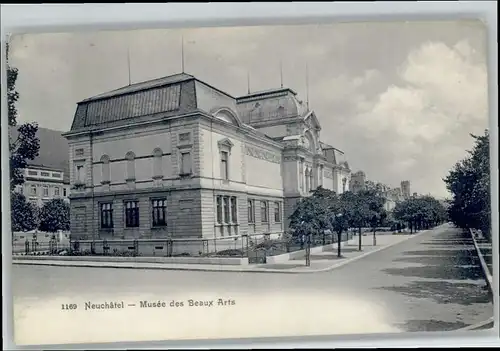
399	98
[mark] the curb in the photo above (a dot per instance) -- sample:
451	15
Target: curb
225	270
484	266
473	327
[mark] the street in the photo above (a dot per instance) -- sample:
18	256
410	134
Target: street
432	282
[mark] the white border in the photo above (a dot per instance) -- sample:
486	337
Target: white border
51	18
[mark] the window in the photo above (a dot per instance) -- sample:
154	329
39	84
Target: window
45	174
226	209
33	190
234	210
159	212
263	212
157	163
57	191
225	146
344	181
106	215
45	191
219	209
56	175
130	157
32	173
185	163
224	165
251	212
277	212
131	214
105	176
80	175
64	192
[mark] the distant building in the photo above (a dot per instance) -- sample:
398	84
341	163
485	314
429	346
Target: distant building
43	184
392	195
358	181
47	176
405	189
178	158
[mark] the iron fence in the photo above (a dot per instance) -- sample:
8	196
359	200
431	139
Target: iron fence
255	247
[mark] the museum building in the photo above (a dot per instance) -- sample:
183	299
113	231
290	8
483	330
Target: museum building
176	157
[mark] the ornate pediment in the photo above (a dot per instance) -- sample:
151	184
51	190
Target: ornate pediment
312	121
225	144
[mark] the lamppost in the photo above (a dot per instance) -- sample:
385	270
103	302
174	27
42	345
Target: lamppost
308	246
374	228
338	229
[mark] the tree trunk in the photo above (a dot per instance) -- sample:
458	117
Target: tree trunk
374	237
359	239
339	237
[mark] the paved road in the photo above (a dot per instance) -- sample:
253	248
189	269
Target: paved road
431	282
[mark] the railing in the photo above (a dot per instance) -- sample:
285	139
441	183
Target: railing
39	243
255	247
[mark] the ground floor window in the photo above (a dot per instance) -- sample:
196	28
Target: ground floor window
227	211
277	212
131	214
106	215
159	209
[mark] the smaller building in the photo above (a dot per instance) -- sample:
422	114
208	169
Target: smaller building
43	184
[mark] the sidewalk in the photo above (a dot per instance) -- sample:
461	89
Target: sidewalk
320	262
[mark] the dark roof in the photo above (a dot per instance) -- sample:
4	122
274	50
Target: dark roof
137	87
161	97
172	96
54	151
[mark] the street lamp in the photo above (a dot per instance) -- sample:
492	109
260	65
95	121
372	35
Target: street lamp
338	225
308	245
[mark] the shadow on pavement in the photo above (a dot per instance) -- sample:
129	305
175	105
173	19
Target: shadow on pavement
430	325
439	260
444	292
449	252
439	272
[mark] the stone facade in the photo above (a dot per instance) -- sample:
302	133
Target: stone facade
217	167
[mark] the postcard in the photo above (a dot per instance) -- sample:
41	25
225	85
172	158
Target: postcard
255	181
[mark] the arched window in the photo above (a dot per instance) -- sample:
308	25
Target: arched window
105	176
130	157
344	183
157	163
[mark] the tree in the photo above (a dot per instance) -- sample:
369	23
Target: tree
54	216
23	214
339	221
357	212
420	213
25	145
469	184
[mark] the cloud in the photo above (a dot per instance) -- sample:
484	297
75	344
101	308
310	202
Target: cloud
418	129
